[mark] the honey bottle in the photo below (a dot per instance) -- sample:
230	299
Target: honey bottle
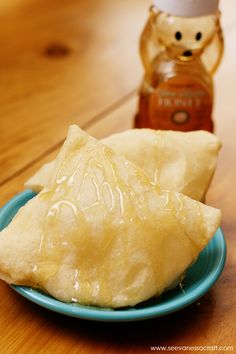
181	47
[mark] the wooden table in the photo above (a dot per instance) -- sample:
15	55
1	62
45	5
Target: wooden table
69	61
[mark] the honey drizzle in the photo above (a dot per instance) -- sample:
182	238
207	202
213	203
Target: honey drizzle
125	201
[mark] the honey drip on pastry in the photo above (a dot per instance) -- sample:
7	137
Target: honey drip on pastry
93	194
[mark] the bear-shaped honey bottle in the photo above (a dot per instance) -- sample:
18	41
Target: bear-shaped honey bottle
181	47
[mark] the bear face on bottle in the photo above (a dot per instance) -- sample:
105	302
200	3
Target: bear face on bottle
180	55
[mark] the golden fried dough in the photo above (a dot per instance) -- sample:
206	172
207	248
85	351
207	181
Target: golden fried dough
177	161
101	233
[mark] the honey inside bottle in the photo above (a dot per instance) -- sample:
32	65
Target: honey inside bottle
180	56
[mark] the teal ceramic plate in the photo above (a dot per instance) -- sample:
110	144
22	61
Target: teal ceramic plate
199	279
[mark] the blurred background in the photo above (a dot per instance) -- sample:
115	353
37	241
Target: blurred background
74	61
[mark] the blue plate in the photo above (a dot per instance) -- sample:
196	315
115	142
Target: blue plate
199	279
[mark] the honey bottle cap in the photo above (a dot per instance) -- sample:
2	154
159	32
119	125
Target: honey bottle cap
187	8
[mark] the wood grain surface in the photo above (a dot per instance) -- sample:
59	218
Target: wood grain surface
71	61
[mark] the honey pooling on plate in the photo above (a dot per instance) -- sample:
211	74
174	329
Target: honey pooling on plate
181	47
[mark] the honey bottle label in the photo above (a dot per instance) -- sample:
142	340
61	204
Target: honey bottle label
180	103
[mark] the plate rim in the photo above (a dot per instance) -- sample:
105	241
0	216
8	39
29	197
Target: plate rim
110	315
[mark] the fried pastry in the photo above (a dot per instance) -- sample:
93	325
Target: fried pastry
177	161
101	233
